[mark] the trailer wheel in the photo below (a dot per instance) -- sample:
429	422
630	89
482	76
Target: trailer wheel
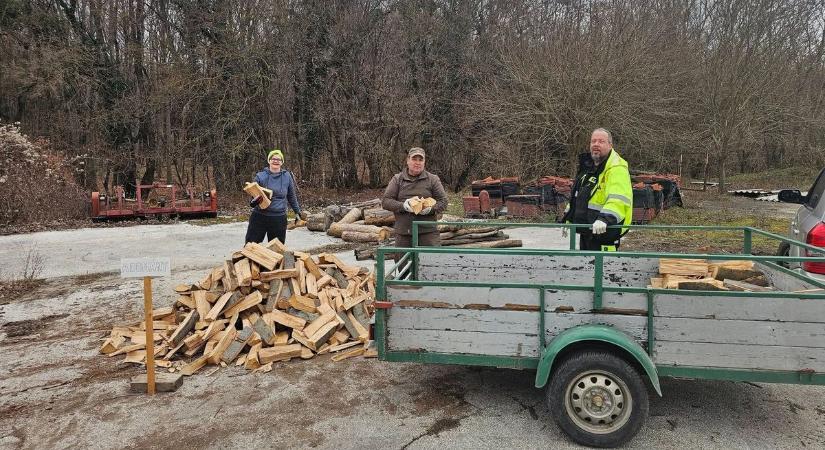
783	250
597	399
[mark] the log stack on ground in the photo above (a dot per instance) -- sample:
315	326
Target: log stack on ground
699	274
264	304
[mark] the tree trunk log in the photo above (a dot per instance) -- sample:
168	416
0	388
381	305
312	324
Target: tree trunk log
378	216
315	222
357	236
337	229
506	243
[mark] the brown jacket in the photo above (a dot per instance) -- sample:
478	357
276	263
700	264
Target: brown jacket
403	186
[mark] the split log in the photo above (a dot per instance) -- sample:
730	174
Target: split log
736	285
255	190
279	353
683	266
378	216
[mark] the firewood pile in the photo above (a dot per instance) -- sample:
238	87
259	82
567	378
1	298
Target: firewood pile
700	274
264	304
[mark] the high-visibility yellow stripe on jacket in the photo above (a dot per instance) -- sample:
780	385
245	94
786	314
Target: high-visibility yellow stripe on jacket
613	195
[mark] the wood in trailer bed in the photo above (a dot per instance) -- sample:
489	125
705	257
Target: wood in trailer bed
751	331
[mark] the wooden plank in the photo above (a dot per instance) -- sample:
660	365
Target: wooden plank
187	325
740	308
782	281
462	296
249	301
736	356
744	332
244	272
339	347
467	342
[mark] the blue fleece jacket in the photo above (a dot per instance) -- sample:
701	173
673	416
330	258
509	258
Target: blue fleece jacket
283	189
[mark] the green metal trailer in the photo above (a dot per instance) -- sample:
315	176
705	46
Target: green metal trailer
598	337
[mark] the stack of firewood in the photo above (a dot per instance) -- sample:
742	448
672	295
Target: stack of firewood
264	304
361	222
699	274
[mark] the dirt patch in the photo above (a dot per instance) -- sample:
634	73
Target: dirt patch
29	327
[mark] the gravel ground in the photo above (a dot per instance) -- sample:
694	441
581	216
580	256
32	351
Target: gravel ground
56	391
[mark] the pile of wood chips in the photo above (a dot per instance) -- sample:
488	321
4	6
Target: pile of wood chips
699	274
263	305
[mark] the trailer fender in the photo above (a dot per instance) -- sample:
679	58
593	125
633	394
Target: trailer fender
600	333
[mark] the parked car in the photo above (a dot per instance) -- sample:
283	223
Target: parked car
808	225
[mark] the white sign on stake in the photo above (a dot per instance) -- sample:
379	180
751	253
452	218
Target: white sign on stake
145	267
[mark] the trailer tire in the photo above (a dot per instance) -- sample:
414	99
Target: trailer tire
597	398
783	250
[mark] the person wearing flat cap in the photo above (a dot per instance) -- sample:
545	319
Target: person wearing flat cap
414	181
270	223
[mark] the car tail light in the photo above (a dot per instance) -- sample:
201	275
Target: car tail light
815	237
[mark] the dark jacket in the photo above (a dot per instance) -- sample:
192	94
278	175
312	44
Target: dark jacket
283	189
403	186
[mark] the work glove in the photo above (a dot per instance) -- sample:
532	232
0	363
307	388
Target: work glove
426	211
407	206
255	201
599	227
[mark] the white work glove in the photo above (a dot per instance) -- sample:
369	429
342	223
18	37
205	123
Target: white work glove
599	227
407	205
426	211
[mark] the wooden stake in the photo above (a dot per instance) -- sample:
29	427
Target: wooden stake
150	344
